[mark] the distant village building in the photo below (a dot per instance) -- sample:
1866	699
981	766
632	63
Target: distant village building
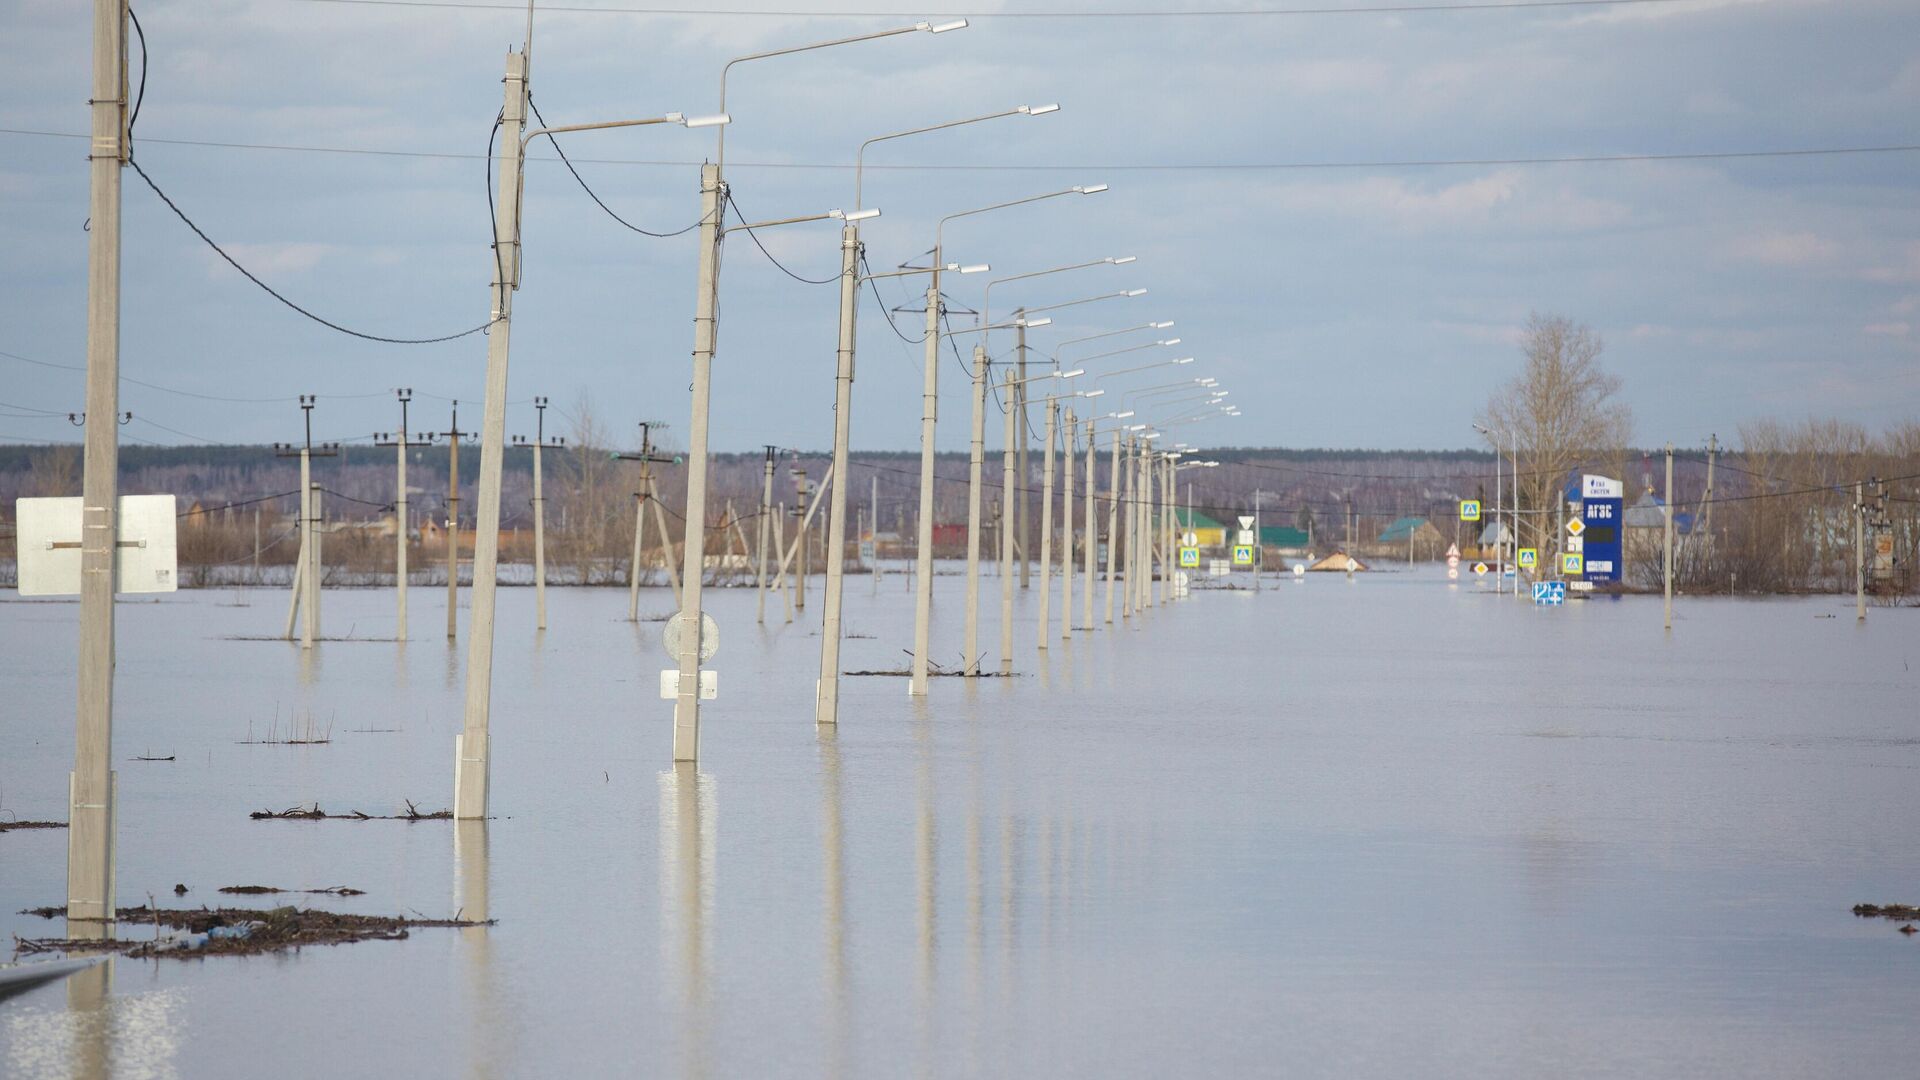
1207	532
1417	531
1337	563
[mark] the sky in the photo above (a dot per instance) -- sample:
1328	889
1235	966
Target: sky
1343	213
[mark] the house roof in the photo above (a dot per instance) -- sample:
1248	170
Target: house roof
1401	529
1194	519
1649	512
1493	532
1282	536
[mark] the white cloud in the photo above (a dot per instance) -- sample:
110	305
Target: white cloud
1886	329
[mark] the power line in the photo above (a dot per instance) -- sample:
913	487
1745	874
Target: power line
590	192
1195	166
1135	13
763	250
271	291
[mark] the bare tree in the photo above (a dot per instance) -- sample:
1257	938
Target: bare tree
1563	409
54	471
590	536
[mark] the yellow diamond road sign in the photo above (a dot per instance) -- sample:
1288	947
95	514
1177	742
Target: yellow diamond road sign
1575	527
1480	568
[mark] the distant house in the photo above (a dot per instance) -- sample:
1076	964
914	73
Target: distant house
1415	531
1207	532
1337	563
1285	539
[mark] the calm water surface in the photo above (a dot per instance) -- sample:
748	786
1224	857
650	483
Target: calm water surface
1380	827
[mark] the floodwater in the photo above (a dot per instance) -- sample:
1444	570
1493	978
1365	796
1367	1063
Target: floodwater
1378	827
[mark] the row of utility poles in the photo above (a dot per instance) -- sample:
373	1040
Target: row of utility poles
1149	473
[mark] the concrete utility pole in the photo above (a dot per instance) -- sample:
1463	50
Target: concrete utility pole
1859	551
766	526
90	891
538	444
1113	521
1260	543
305	600
826	690
923	548
398	439
1008	389
805	536
642	499
1023	532
1669	531
686	706
472	753
1066	524
826	694
1129	584
1703	524
452	435
1092	540
976	451
1046	524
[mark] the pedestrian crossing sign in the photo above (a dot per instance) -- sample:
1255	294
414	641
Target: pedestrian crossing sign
1469	509
1243	555
1529	558
1189	556
1573	563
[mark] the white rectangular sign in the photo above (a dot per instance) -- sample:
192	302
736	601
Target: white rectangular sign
48	532
1245	537
1576	545
1601	487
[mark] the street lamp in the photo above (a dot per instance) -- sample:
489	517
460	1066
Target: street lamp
826	704
930	392
713	193
472	753
1010	386
1513	532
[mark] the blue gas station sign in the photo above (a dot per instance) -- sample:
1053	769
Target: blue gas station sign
1602	514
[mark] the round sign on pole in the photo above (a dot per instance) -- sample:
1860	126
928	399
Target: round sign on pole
1453	573
1299	570
677	636
1352	565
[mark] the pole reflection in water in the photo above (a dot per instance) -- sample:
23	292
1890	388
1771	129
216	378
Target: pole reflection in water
87	994
472	899
926	847
688	817
834	871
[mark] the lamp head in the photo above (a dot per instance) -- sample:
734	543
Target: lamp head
715	120
941	28
1184	360
1039	110
1031	323
1136	292
1090	189
857	215
1070	374
1123	260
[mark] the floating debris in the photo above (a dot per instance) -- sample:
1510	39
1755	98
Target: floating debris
314	813
1901	912
142	757
262	890
9	826
234	931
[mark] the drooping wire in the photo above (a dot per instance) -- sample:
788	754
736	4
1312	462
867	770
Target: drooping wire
277	295
769	254
866	271
142	94
230	260
591	194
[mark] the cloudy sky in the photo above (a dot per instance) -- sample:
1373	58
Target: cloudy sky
1336	209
